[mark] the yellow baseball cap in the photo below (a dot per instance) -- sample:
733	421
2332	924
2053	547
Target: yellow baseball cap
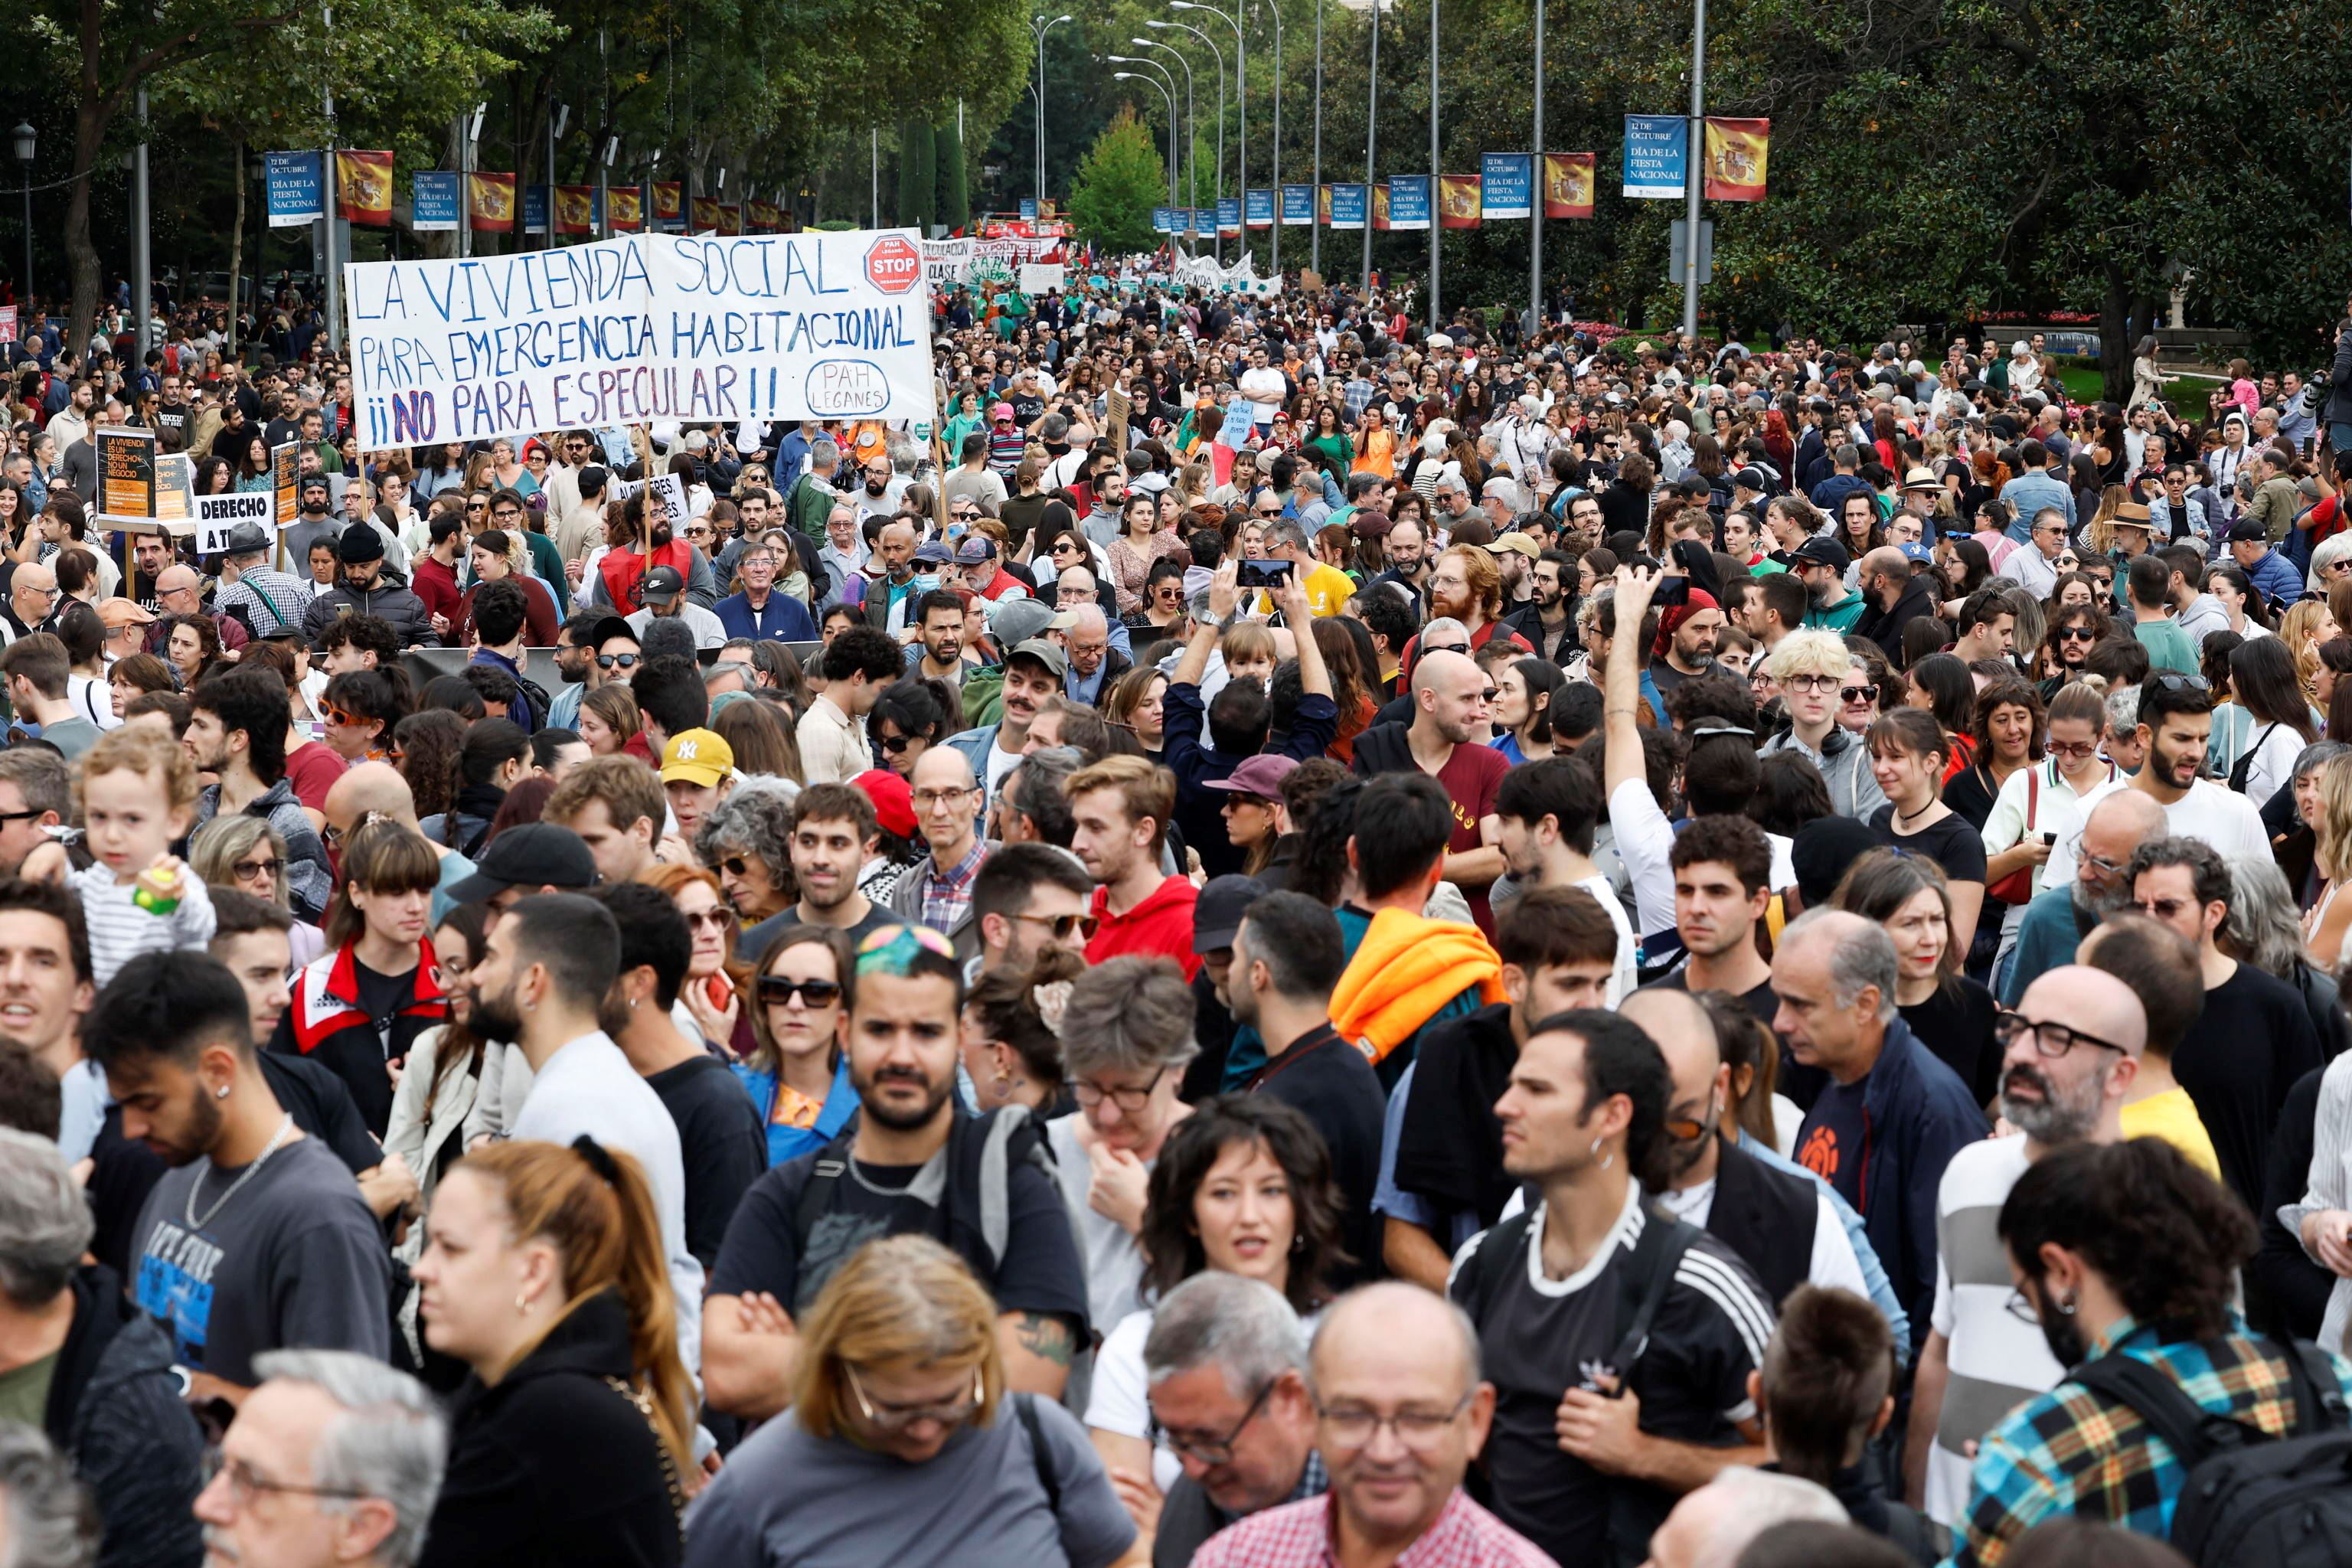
697	757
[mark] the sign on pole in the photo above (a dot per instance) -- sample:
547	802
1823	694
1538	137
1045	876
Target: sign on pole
126	476
1259	210
1569	179
782	327
433	204
1505	185
1348	205
1409	201
1298	206
298	188
218	516
1657	156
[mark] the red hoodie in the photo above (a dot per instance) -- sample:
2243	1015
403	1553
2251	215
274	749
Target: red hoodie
1161	926
622	570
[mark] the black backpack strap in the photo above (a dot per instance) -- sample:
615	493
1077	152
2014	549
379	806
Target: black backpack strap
816	1192
2169	1413
2319	1403
1025	1407
1642	1288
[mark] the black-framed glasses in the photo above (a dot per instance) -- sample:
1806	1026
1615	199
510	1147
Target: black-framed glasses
617	660
2173	681
2018	1307
8	817
1857	693
1447	647
245	1483
776	990
1211	1451
1128	1099
2164	909
2078	633
2052	1041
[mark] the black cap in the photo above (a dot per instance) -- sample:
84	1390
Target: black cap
2248	529
602	631
661	585
360	542
1822	550
531	855
1217	913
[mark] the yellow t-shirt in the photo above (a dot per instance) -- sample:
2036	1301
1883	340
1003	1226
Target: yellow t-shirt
1328	588
2172	1116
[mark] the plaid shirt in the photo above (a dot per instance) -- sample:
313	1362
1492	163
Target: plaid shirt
947	896
1298	1535
2071	1452
271	601
1359	393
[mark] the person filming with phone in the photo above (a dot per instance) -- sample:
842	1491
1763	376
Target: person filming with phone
1288	558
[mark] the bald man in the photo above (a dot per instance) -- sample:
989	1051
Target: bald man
1782	1225
376	790
1895	598
2070	1053
1893	1115
32	599
180	592
2084	883
1447	739
1385	1355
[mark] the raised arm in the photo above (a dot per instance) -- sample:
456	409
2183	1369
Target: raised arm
1620	681
1195	662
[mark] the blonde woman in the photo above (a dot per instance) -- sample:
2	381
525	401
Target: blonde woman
248	854
2325	926
2304	626
904	1446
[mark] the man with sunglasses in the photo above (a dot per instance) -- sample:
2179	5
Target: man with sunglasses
2254	1037
2070	1053
911	1162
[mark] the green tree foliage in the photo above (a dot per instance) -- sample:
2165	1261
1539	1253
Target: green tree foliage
1118	183
953	178
916	186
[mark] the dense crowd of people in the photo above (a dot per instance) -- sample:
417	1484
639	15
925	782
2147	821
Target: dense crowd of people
1293	936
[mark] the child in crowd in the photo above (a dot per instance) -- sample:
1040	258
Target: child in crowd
136	791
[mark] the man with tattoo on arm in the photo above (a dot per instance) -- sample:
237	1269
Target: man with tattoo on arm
910	1163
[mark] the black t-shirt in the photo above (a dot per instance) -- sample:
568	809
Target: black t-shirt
2237	1062
1538	1341
1949	841
720	1140
1028	407
1331	1083
755	939
1956	1023
1038	1271
1970	794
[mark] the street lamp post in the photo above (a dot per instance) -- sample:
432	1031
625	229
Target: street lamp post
1241	100
1191	120
1216	237
1041	25
1436	223
1169	93
1274	252
25	149
1371	141
1315	228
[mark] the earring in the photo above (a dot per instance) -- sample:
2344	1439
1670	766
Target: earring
2067	1306
1606	1160
221	1093
522	1304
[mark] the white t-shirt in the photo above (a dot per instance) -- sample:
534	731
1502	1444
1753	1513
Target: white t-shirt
2223	818
1645	840
1000	762
1266	379
1623	976
2273	768
1997	1359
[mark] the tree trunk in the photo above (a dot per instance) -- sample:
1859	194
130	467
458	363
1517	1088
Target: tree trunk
89	133
236	249
2115	335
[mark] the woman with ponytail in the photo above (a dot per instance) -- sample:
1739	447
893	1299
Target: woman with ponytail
570	1444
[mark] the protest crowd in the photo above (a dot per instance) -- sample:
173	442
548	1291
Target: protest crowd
1295	935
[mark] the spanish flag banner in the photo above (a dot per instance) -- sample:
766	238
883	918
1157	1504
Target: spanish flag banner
363	187
668	204
706	214
625	209
764	218
1323	206
1735	151
1568	184
731	218
1380	207
1457	201
575	209
490	202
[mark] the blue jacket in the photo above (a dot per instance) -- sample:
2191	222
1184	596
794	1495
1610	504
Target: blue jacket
2276	575
1915	1114
781	619
787	1142
2029	493
975	745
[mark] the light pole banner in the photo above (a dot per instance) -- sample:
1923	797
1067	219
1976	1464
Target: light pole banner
534	209
1028	209
363	187
1457	201
1409	201
1348	205
1736	151
669	205
1323	206
1657	156
1507	186
433	203
1229	214
624	208
1569	180
618	332
1297	204
297	188
1260	209
1163	220
1380	207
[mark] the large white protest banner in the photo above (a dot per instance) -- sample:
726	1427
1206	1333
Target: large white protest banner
947	263
647	326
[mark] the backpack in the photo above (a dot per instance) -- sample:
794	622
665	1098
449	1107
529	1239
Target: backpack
2248	1500
2241	770
994	1142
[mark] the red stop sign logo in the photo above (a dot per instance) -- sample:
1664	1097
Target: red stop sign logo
893	264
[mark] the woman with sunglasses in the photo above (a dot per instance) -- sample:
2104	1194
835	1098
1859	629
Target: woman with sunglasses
1244	1187
246	853
709	994
910	718
795	1070
544	1272
904	1445
2041	805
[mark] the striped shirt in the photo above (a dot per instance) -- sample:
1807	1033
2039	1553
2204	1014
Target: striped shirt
119	930
1998	1359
